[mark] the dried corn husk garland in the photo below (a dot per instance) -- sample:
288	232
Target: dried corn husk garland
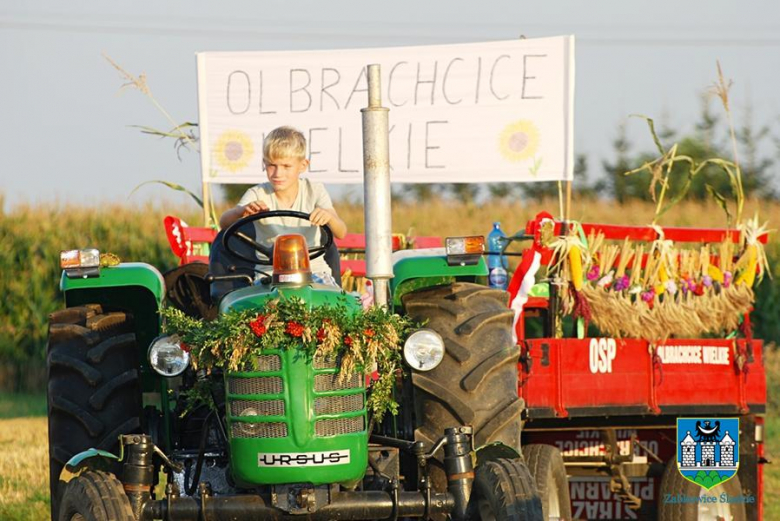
679	292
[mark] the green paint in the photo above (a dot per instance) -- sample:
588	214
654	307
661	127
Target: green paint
430	267
298	377
125	274
75	462
540	289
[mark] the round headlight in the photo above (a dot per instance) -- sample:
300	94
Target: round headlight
424	350
248	429
167	357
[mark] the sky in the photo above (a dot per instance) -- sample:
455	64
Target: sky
68	128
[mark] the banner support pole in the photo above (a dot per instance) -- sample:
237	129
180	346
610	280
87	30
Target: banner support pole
207	205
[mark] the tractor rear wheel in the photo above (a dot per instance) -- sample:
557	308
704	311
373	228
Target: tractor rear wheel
95	496
546	465
675	485
476	383
93	385
504	491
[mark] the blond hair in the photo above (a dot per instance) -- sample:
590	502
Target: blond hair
284	142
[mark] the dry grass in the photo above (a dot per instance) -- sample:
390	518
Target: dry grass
24	476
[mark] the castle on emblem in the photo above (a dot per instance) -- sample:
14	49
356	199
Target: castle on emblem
707	441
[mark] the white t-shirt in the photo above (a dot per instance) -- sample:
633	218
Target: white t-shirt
310	196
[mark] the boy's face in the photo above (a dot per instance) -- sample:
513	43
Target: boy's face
283	172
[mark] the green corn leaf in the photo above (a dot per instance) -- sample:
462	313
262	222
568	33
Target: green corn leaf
720	200
651	124
173	186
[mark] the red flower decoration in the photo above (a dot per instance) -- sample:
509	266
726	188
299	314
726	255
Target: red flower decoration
185	347
347	340
294	329
258	325
368	332
320	334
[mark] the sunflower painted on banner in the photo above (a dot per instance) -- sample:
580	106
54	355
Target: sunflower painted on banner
519	141
233	150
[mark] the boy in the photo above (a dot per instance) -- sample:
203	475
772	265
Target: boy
284	157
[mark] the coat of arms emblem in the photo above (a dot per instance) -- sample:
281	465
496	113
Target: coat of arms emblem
708	450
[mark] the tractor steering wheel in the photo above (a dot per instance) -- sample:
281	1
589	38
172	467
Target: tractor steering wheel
235	230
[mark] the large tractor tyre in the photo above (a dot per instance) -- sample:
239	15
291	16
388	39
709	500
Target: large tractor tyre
95	496
93	385
504	490
674	485
546	465
476	383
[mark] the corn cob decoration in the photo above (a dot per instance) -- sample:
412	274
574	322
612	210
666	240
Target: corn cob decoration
575	266
754	258
748	275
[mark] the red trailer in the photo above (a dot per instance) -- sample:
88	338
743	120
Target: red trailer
610	405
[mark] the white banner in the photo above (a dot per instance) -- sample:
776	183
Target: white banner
485	112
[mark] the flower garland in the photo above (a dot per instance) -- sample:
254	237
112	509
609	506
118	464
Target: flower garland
358	339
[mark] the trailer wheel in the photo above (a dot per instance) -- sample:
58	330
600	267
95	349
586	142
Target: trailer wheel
504	491
93	385
546	465
476	383
95	496
674	484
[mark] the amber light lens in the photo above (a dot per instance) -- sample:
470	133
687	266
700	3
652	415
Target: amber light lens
473	245
291	255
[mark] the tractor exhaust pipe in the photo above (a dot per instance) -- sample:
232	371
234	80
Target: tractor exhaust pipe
376	190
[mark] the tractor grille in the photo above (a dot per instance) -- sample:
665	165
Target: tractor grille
338	404
339	426
330	382
259	430
268	363
257	407
257	385
325	362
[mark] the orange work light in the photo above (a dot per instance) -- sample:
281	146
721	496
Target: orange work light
291	260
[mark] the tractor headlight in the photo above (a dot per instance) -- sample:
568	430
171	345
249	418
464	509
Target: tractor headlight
167	357
424	350
249	429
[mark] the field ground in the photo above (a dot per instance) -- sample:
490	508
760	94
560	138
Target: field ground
24	494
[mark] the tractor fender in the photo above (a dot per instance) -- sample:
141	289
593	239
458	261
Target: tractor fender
124	275
495	451
416	269
133	287
90	459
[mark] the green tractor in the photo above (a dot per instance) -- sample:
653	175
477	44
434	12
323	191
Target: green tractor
288	437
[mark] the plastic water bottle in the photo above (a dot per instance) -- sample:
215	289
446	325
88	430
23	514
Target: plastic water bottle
497	264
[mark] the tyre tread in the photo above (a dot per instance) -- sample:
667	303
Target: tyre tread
476	382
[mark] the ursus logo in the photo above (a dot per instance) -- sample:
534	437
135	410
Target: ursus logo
708	449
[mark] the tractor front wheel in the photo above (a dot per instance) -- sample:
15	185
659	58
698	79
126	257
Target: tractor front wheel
504	491
95	496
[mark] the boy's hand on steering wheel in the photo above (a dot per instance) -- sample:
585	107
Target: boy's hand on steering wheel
253	208
320	216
